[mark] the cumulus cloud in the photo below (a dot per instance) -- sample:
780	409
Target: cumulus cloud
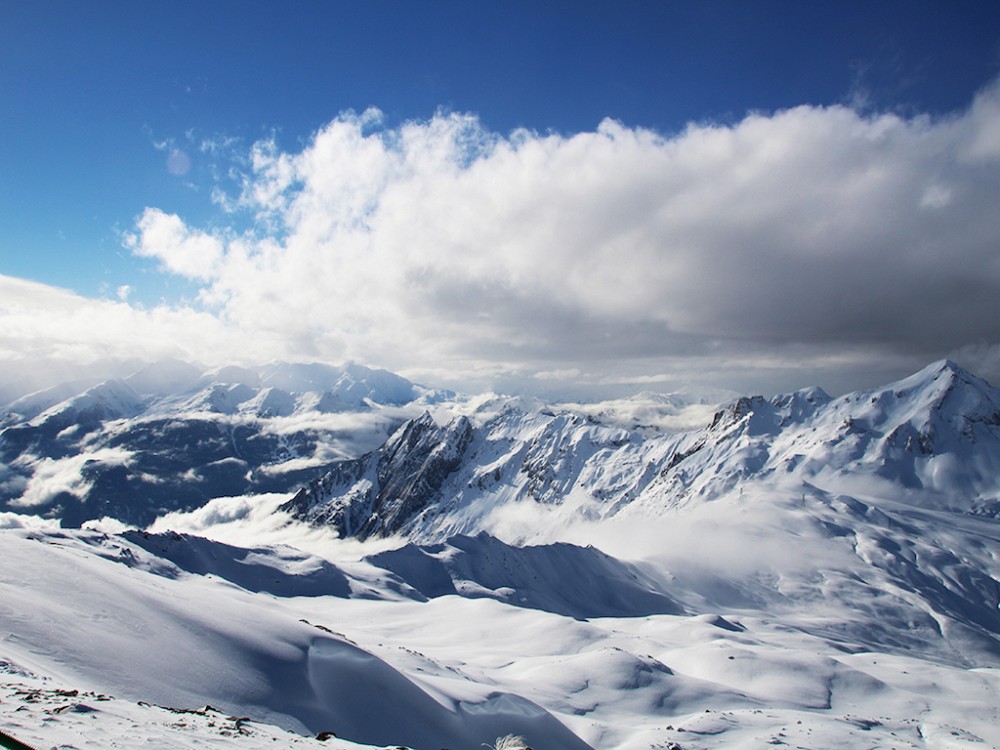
815	228
181	250
808	245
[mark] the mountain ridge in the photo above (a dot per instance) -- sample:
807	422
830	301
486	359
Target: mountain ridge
934	435
172	436
800	570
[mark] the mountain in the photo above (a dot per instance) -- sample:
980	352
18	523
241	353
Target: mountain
796	571
172	436
932	439
879	485
381	491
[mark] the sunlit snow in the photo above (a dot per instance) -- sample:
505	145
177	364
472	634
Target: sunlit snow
801	571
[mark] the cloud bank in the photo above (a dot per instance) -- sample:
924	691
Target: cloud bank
816	244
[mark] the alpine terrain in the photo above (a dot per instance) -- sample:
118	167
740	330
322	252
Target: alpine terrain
312	556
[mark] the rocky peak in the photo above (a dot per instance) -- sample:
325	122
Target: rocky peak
379	493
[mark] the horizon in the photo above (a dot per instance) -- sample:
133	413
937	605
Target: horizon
13	389
547	200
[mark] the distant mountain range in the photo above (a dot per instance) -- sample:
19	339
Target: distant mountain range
931	439
171	437
372	459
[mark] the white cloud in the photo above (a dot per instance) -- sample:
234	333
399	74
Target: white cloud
30	523
45	323
815	244
181	250
50	335
257	520
54	476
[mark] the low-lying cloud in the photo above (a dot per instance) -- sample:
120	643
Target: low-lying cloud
52	477
817	244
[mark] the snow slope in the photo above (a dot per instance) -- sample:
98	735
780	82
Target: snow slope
42	713
560	578
103	614
814	640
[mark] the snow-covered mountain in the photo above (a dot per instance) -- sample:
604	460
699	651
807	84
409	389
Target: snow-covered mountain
799	571
172	436
148	617
932	439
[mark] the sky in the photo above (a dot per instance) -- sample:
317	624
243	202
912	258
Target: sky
572	199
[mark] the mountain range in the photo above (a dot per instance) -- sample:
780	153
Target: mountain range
171	436
932	439
314	550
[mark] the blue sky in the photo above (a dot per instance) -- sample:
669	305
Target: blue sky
113	108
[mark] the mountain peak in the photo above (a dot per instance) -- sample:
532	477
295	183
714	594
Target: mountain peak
936	372
379	493
947	389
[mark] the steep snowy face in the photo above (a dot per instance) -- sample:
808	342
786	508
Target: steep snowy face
378	494
435	481
931	439
171	437
110	400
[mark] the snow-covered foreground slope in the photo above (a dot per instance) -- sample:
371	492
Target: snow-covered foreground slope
753	620
37	711
99	613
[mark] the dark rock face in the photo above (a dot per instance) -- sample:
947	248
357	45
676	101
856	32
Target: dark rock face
377	494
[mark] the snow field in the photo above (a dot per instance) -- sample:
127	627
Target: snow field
818	627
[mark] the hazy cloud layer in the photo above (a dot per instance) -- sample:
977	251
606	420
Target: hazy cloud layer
811	245
48	335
